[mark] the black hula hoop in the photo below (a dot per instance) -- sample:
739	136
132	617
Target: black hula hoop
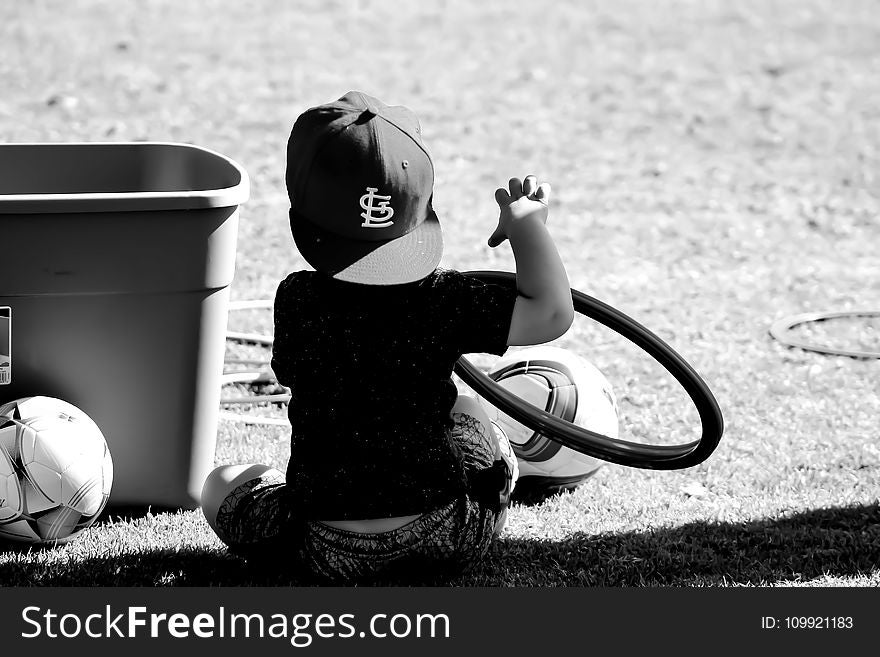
780	328
613	450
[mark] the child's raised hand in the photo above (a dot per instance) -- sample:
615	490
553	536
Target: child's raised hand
526	199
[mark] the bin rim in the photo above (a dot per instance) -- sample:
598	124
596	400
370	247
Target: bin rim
45	203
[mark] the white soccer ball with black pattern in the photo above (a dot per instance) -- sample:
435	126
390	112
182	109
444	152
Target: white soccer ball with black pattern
55	471
565	385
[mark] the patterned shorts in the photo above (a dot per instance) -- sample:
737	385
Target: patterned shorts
257	520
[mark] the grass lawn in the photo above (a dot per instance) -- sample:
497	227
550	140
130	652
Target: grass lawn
715	166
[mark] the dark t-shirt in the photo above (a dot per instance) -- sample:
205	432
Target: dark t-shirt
369	370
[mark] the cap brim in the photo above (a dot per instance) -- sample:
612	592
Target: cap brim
405	259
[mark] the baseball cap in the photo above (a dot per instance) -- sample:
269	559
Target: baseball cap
360	183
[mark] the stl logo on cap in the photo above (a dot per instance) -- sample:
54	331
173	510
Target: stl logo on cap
385	211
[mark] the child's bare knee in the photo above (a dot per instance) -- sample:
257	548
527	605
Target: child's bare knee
470	406
222	481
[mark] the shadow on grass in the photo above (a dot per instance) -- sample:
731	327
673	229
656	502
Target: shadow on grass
840	542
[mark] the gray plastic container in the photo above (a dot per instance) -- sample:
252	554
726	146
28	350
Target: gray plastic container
115	263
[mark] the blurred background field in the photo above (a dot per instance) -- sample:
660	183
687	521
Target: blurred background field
715	166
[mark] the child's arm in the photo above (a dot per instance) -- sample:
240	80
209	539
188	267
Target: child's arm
543	309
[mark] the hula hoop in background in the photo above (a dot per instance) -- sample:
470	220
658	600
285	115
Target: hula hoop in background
780	328
614	450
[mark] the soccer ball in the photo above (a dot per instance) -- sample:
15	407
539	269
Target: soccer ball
567	386
55	471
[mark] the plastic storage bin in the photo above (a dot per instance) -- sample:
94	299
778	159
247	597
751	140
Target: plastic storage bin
115	266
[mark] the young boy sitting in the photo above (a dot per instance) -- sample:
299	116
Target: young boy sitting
391	472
